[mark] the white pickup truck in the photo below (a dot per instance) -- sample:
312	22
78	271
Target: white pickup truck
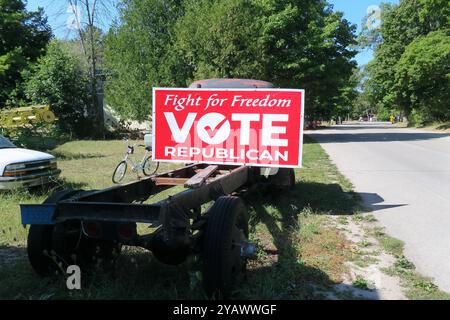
25	168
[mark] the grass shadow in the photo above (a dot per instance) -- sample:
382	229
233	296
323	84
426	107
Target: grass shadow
286	276
56	185
76	156
39	142
137	275
288	271
319	198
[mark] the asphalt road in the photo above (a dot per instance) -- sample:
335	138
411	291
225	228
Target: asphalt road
403	176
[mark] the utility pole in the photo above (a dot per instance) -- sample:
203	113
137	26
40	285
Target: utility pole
88	43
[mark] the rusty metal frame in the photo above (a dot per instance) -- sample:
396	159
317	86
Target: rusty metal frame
123	203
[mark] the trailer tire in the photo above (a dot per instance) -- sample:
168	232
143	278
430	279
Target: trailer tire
222	262
39	241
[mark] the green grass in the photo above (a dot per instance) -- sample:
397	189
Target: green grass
417	287
361	283
392	245
297	250
364	217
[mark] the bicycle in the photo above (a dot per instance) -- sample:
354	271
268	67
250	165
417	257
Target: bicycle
146	165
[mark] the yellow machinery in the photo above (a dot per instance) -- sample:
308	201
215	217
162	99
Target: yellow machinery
21	117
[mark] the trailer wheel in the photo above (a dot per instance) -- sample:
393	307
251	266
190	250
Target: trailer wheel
226	229
39	242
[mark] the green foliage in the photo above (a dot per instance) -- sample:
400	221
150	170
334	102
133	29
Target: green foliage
361	283
410	72
23	38
294	44
384	114
422	79
58	80
216	40
136	53
436	13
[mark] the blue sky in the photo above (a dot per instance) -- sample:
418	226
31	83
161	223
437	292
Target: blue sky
354	11
56	10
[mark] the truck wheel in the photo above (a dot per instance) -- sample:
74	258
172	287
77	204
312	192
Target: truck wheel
225	231
39	242
39	246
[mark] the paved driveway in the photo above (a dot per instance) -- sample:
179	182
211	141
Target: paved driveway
403	175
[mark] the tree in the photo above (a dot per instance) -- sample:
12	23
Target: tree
59	81
402	25
297	44
435	13
294	44
23	37
90	37
138	55
217	39
422	79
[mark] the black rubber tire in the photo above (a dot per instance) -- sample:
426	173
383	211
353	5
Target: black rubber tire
120	178
222	262
39	242
48	245
150	172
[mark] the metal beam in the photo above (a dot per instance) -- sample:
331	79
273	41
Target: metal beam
107	211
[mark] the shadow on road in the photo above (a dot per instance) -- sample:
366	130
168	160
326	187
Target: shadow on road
371	202
361	126
333	137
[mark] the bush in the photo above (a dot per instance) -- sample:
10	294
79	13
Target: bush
418	119
58	80
384	114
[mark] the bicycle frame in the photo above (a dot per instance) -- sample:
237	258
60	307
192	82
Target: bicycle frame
135	166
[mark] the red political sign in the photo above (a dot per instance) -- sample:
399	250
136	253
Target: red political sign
258	127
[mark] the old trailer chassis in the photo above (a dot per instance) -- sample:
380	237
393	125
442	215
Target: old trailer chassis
177	224
178	216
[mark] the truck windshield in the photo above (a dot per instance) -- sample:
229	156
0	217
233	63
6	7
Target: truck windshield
5	143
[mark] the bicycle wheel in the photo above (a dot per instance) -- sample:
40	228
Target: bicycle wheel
150	167
120	171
